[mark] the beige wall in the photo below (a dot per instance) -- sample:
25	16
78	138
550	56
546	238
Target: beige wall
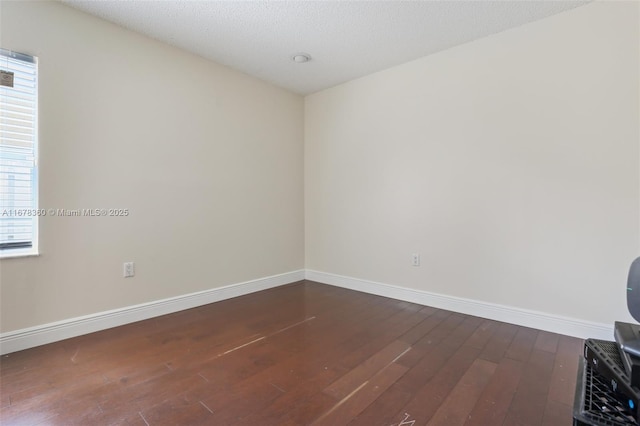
209	161
510	164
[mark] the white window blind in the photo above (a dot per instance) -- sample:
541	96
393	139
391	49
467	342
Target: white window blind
18	150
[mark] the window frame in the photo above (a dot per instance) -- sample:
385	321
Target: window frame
7	251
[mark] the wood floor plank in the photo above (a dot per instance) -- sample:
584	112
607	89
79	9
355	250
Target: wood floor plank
148	393
430	359
134	419
324	326
305	375
547	341
530	399
354	403
522	344
419	330
244	362
499	342
83	411
308	376
556	413
17	364
427	399
299	379
493	404
455	409
72	405
565	367
442	330
381	336
16	415
232	406
364	371
5	400
50	398
483	333
382	410
292	409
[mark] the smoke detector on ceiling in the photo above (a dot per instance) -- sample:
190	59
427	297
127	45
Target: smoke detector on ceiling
301	58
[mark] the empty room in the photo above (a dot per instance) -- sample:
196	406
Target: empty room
380	213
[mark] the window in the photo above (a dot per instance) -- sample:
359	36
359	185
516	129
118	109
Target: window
18	154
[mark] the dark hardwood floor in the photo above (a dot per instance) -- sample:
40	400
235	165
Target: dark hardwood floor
300	354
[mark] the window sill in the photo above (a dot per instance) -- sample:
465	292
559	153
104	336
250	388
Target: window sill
8	254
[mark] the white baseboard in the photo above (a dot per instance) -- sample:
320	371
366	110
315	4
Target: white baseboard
534	319
39	335
47	333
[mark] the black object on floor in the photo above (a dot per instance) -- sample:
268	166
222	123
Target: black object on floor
628	338
599	399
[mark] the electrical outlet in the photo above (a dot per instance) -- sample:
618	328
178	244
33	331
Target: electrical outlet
129	269
415	259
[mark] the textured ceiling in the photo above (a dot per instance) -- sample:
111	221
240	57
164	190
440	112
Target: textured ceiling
346	39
